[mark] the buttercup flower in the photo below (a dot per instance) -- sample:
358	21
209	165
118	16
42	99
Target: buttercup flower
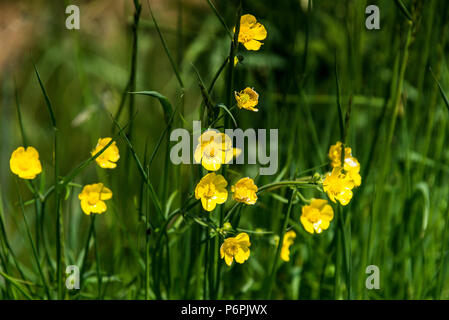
338	185
25	163
245	191
352	168
109	157
317	216
211	190
214	149
335	154
289	238
92	198
251	32
247	99
351	165
235	247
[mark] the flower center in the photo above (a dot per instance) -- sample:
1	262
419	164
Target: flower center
210	190
314	216
24	164
232	249
244	98
245	34
93	198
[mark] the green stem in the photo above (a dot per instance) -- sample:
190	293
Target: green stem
86	250
97	256
305	181
33	247
279	246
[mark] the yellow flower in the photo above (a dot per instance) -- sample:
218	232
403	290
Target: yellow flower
338	185
351	166
235	247
247	99
92	198
214	149
251	32
245	191
109	157
335	154
289	238
25	163
317	216
236	60
211	190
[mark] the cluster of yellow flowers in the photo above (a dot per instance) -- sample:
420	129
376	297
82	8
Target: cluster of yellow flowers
215	149
338	183
26	164
250	34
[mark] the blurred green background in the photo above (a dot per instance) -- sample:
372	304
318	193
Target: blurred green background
397	219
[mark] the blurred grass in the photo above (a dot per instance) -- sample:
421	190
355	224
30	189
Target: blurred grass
398	218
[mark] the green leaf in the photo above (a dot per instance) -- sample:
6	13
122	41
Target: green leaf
404	9
16	283
221	105
164	43
446	100
166	105
47	99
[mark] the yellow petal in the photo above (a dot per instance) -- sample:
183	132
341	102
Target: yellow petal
253	45
242	255
285	254
243	238
308	226
208	204
324	224
228	259
260	33
247	19
198	153
221	196
211	163
105	194
327	213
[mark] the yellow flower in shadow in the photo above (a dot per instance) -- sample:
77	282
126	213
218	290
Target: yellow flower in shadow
251	32
211	190
338	185
235	248
245	191
25	163
317	216
92	198
214	149
109	157
289	238
247	99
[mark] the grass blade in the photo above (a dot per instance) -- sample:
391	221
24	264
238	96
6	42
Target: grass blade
404	9
443	94
211	5
164	43
165	103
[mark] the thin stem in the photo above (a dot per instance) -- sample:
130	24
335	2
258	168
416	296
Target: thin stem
279	246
